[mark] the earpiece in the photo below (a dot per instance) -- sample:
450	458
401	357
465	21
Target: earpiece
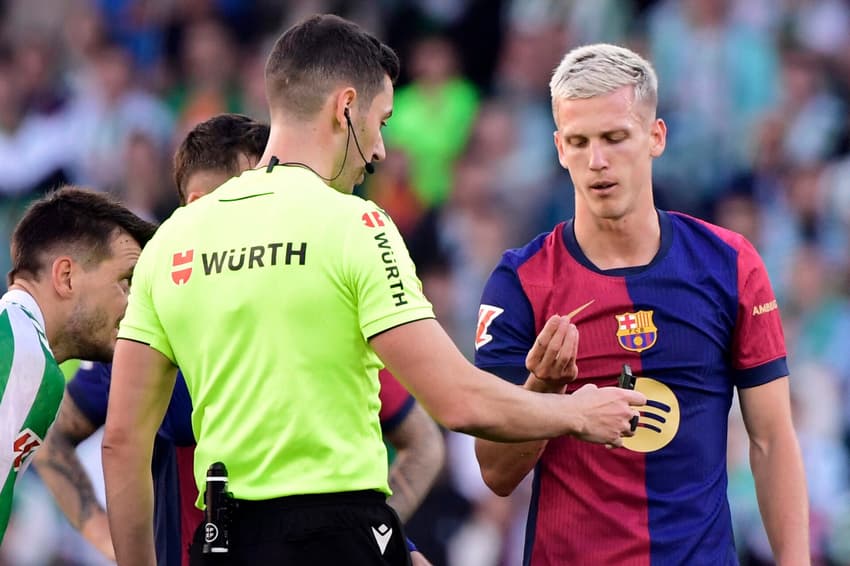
369	168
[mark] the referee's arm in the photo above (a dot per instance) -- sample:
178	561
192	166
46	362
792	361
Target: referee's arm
465	399
142	382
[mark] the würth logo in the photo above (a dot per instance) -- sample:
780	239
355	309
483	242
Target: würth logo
25	444
272	254
181	266
391	267
372	219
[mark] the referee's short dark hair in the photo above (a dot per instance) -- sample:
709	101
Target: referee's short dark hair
79	222
313	57
215	145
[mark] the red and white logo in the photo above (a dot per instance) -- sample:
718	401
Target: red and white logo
486	315
372	219
181	266
25	444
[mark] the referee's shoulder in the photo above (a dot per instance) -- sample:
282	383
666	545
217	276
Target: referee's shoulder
355	207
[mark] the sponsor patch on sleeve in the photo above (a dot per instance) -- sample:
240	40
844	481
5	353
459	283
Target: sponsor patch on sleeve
486	315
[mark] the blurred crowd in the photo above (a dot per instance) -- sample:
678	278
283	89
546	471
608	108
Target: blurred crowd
755	93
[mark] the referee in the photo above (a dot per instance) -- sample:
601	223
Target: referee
282	266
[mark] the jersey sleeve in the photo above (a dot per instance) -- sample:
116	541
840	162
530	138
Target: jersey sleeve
758	348
505	331
177	423
141	322
381	274
396	401
89	388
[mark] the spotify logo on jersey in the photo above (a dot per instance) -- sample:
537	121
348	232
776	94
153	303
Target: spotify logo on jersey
659	418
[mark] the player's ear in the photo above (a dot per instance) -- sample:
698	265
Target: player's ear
559	145
658	136
62	271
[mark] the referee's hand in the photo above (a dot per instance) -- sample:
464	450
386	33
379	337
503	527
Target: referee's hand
606	413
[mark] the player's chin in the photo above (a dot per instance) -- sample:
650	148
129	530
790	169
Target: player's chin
113	338
609	210
99	351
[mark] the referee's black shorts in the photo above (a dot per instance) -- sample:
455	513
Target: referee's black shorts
337	529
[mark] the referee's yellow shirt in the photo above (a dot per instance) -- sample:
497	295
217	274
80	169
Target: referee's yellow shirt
265	293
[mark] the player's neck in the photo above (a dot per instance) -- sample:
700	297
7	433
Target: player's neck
630	241
51	311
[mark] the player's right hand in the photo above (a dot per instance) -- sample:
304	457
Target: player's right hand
606	413
552	358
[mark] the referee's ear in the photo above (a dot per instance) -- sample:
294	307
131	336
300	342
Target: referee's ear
193	196
344	99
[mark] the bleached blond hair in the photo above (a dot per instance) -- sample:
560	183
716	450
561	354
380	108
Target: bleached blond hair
601	68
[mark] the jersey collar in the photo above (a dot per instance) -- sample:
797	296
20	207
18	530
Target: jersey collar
575	250
26	302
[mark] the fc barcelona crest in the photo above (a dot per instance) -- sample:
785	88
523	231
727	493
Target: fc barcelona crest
636	331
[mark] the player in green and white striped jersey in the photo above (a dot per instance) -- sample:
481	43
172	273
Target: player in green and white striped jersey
31	385
73	254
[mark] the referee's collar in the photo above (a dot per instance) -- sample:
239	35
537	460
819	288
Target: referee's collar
26	302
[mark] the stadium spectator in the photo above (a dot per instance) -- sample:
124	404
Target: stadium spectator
704	52
432	117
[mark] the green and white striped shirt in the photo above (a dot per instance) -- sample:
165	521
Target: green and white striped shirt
31	387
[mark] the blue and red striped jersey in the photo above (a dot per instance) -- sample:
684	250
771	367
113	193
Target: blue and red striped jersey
396	401
697	321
